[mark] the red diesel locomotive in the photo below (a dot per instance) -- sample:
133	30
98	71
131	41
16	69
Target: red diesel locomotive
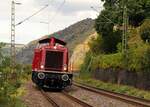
50	64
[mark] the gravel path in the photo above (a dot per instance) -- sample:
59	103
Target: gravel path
33	97
97	100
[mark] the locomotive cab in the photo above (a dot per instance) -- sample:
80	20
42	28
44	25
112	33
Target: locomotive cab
50	64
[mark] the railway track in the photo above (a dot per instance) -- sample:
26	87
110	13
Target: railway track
49	99
54	103
76	100
129	99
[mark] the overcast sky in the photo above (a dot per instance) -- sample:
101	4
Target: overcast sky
58	14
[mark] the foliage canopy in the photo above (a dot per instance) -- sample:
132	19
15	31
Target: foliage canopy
112	16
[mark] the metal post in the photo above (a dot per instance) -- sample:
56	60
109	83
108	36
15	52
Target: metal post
13	50
124	37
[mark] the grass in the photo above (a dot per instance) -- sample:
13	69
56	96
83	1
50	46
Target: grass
123	89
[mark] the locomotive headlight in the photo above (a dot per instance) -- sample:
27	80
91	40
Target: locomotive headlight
55	47
42	66
41	75
65	67
65	77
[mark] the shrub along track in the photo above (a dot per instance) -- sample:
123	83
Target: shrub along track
128	99
63	99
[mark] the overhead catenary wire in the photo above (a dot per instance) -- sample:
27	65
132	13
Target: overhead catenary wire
103	15
61	5
33	14
58	9
53	17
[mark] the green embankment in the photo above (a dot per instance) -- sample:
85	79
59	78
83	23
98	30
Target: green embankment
114	87
138	62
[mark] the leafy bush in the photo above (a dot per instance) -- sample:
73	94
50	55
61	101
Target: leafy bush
138	58
96	45
107	61
146	60
145	31
9	82
86	65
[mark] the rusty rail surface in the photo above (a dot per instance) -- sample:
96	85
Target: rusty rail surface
126	98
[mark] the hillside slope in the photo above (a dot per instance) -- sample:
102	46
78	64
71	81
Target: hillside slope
79	53
7	47
73	35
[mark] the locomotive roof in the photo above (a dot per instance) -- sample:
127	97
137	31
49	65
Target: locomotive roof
47	40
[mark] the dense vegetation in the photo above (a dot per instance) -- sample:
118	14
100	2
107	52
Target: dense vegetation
10	82
106	50
109	39
112	17
145	31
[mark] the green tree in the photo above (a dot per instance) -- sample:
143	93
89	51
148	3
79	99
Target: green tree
112	16
138	10
109	44
145	31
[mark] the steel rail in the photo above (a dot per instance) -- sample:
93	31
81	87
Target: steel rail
76	100
114	95
54	104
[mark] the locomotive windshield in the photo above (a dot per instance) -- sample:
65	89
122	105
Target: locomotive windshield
54	60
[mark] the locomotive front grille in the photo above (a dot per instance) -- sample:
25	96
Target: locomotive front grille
54	60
